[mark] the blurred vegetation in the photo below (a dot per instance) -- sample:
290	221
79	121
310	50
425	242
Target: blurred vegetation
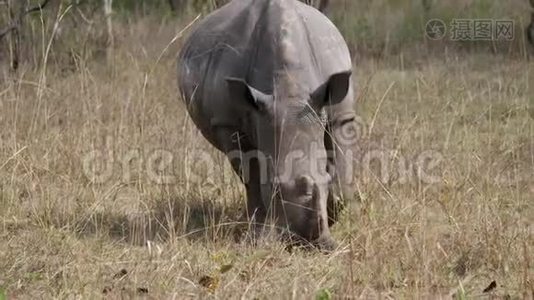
376	28
391	26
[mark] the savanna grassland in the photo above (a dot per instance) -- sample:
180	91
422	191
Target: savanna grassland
101	194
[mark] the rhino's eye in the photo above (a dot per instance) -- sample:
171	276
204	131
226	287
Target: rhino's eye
306	114
310	116
347	121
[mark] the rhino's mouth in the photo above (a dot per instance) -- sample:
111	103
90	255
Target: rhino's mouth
302	214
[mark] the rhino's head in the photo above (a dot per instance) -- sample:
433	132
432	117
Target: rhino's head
289	132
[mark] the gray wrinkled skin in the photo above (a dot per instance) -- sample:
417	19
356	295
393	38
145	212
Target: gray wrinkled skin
268	82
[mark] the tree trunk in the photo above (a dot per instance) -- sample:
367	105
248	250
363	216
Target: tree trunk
321	5
108	11
178	6
14	43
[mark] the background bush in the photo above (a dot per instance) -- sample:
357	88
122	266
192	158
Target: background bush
375	28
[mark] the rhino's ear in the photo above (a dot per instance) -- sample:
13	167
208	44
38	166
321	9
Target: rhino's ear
334	90
240	91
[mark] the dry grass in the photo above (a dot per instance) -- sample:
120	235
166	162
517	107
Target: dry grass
64	236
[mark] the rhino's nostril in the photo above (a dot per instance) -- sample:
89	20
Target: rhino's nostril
304	185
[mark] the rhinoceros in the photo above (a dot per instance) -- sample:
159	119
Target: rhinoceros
269	83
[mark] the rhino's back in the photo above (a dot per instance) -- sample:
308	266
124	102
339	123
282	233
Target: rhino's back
327	45
249	39
226	43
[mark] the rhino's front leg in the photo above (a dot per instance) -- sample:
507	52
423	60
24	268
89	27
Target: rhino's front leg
256	211
336	200
244	162
341	142
248	171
